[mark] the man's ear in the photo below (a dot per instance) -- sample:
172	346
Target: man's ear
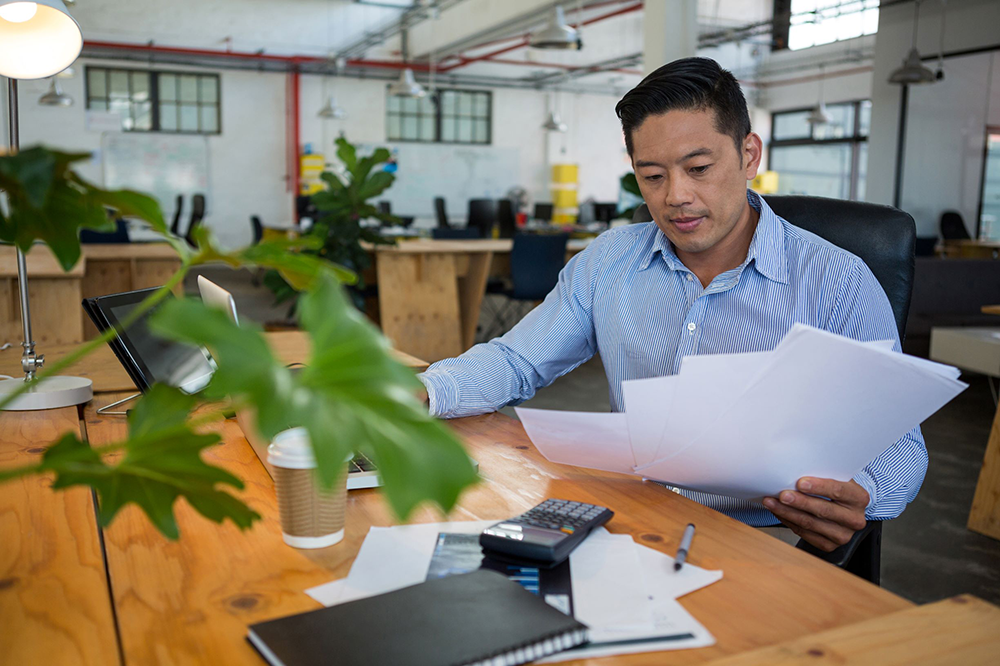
753	150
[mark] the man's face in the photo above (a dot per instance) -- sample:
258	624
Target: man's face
692	177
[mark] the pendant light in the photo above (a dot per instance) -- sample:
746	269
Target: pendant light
913	70
554	123
37	39
55	96
557	34
331	110
819	114
407	85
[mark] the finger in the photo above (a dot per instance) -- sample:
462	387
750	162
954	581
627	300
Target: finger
832	531
849	492
851	518
813	538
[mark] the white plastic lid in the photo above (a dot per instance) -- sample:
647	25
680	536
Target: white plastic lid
291	449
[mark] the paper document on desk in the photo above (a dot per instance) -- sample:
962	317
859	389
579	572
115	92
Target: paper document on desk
750	425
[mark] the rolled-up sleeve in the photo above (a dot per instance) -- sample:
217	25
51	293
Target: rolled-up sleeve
550	341
861	311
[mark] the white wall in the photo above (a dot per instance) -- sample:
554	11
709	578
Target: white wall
248	160
971	24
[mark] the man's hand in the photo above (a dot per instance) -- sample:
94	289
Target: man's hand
825	523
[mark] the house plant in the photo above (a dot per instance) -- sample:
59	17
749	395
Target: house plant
351	396
342	206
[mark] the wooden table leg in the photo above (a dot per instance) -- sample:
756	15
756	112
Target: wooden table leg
419	305
471	289
985	514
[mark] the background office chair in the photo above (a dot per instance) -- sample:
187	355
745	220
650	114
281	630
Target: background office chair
455	233
119	235
953	226
506	218
175	227
535	262
441	213
483	216
385	207
884	238
543	212
605	212
197	215
258	228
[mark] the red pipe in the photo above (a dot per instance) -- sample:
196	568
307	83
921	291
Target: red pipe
296	139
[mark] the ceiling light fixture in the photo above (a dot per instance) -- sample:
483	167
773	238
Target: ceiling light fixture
819	114
557	34
913	70
55	96
407	85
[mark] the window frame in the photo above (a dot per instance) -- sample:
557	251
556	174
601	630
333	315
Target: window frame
781	25
440	116
855	139
154	96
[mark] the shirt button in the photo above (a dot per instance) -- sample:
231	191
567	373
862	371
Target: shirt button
689	277
691	327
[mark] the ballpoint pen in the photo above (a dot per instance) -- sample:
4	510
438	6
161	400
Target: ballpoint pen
682	550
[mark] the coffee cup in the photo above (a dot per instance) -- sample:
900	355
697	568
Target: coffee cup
311	516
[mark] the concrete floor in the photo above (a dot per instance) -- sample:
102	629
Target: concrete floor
927	553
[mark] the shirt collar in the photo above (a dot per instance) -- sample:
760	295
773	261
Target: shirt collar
767	249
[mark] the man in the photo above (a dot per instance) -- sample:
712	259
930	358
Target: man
715	272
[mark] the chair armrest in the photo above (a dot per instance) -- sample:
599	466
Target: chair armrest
842	556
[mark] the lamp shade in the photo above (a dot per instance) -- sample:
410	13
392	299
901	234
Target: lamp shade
55	96
554	124
407	86
913	71
557	34
40	43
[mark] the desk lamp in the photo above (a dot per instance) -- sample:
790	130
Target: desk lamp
37	39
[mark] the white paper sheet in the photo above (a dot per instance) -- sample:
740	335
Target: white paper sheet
582	439
648	408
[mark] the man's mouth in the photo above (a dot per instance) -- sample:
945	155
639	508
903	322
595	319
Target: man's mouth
686	223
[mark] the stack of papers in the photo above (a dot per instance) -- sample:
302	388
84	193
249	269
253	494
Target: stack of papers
625	592
750	425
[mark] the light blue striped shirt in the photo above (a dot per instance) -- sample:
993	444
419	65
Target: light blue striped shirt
630	299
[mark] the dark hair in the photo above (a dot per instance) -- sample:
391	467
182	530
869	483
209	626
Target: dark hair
687	84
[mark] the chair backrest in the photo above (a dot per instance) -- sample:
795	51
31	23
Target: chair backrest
441	213
881	236
483	216
953	226
543	211
385	207
119	235
455	233
197	215
258	228
535	262
506	218
605	212
175	227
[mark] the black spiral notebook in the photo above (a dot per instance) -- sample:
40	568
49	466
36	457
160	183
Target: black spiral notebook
470	618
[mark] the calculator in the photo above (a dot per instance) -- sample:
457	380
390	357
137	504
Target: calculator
546	534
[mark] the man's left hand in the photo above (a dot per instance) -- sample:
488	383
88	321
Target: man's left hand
825	523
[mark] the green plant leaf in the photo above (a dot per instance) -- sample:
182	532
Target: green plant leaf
630	184
375	184
162	462
347	153
353	395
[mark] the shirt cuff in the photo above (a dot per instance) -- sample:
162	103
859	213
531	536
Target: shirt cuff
442	392
867	481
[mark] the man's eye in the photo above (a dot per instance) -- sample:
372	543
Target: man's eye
653	177
700	169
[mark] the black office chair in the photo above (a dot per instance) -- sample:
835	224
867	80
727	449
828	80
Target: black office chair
175	228
884	238
543	212
455	233
605	212
197	215
506	218
483	216
385	207
441	213
258	228
535	262
953	226
119	235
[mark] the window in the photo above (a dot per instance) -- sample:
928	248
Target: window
828	160
181	102
452	116
989	208
814	22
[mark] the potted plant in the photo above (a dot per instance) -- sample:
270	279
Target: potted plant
352	396
338	231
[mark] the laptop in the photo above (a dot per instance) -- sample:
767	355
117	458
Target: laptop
361	472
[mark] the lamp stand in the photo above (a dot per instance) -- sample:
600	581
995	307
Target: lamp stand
51	392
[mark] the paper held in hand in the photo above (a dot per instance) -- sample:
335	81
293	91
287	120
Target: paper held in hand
750	425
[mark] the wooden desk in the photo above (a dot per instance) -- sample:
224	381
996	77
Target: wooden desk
108	375
984	517
971	249
430	291
961	630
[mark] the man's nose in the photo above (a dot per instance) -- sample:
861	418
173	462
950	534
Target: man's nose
678	194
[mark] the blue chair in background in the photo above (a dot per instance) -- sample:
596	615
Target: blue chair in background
119	235
455	233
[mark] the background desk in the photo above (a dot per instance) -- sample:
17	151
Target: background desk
190	601
430	291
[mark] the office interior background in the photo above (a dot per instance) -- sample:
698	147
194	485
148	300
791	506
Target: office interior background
239	100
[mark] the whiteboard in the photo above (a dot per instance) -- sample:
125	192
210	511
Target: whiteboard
161	165
456	172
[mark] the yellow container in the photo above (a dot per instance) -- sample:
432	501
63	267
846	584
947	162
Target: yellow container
765	183
565	173
563	198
